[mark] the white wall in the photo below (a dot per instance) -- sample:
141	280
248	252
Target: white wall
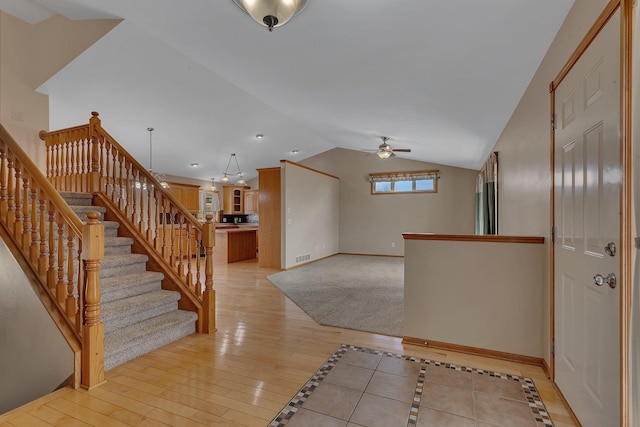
310	214
372	224
524	146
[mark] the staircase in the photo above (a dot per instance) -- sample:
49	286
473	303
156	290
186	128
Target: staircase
138	315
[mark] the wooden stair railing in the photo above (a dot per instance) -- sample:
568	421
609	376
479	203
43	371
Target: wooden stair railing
59	254
87	159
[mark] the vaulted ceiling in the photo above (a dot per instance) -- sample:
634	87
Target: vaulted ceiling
440	77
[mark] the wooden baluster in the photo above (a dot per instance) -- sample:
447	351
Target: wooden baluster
109	165
136	190
101	170
73	173
80	297
189	276
70	306
199	247
60	285
26	225
18	225
166	250
156	220
66	161
52	273
33	248
130	190
93	328
58	171
180	246
11	186
83	166
209	297
150	234
94	173
42	260
122	184
3	182
174	239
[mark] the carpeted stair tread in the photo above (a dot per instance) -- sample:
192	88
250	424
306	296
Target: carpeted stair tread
125	286
124	312
120	264
111	228
83	199
130	342
117	245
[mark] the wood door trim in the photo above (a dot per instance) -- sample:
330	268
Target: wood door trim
605	16
626	161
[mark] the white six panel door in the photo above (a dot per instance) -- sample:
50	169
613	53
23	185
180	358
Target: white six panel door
587	214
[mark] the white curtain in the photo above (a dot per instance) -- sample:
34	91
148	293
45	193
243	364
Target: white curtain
634	381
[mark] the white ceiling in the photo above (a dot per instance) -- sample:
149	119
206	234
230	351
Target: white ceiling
440	77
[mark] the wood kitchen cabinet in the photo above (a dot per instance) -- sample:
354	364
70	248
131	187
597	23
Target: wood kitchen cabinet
187	194
251	204
233	202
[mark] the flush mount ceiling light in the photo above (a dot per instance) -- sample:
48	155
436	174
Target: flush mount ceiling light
259	136
271	13
161	178
225	179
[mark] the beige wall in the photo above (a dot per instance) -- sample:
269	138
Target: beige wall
29	55
35	357
524	146
372	224
479	294
310	214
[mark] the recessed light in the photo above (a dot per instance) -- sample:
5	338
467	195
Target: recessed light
259	136
195	165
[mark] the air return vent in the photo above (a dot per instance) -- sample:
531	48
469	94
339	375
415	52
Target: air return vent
303	258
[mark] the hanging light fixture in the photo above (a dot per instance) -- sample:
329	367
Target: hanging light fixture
161	178
225	178
271	13
213	185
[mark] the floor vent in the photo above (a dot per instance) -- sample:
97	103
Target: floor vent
303	258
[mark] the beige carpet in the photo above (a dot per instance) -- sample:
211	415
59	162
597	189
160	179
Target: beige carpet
349	291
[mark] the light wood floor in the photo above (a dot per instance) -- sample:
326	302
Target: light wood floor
265	349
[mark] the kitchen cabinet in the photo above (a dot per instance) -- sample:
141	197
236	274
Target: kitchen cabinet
251	204
234	199
187	194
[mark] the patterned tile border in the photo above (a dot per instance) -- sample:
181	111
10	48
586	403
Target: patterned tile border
536	405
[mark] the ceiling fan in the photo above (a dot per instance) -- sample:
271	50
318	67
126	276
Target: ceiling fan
385	150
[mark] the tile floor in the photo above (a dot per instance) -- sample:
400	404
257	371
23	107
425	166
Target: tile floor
363	387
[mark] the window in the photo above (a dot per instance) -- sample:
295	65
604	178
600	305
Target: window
404	182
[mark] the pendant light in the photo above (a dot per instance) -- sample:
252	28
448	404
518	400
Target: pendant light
161	178
225	178
271	13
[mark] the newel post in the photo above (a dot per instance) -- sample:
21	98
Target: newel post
209	296
94	167
92	328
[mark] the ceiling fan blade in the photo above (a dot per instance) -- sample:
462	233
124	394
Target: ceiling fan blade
402	150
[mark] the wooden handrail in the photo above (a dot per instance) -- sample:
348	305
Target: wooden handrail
49	236
87	158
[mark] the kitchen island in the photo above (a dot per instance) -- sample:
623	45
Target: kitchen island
235	243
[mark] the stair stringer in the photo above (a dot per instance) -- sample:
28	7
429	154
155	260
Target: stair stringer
171	281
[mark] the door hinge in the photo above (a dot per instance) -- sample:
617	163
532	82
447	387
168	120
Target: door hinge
553	121
553	234
553	347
